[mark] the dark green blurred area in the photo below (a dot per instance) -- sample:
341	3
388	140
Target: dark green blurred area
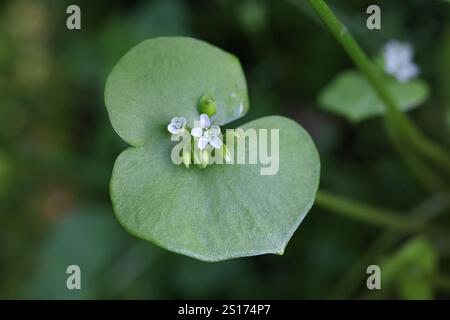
57	147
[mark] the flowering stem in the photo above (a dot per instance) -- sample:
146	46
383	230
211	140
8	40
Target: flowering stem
372	215
416	139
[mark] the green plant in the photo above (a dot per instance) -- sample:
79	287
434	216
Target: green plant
223	212
352	96
215	213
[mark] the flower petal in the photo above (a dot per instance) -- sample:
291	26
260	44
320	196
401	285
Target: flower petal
408	72
173	129
215	142
202	143
204	121
182	121
214	130
197	132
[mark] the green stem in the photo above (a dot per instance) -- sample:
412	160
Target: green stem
415	137
350	282
417	166
368	214
348	285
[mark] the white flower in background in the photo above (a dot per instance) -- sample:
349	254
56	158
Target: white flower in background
206	134
398	59
176	125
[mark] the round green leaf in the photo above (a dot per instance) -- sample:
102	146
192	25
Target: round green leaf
222	211
352	96
215	213
165	77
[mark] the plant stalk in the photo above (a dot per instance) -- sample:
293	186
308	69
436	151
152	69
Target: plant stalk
416	139
368	214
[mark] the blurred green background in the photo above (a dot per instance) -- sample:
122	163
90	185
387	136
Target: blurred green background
57	150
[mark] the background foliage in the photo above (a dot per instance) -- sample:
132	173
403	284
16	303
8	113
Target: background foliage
57	150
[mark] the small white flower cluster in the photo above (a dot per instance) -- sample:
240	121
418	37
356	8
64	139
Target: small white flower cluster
176	125
204	132
398	59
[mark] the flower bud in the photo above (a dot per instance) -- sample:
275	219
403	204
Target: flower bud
205	158
207	105
186	158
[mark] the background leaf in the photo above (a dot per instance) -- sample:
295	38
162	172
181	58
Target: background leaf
102	241
410	268
351	96
222	211
164	77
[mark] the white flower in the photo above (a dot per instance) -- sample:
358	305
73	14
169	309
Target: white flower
398	59
176	125
206	134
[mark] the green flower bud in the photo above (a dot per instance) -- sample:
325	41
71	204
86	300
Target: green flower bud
186	158
207	105
205	158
